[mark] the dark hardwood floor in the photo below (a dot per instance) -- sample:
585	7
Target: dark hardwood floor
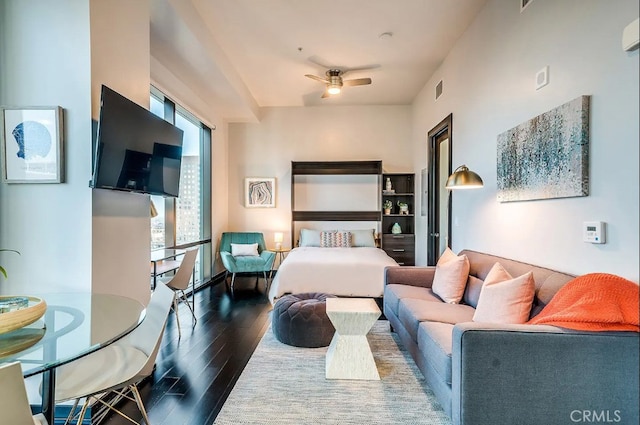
195	374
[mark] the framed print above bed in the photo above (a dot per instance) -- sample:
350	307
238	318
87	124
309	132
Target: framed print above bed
260	192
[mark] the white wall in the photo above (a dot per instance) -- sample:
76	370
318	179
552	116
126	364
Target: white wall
120	59
72	238
346	133
50	224
489	87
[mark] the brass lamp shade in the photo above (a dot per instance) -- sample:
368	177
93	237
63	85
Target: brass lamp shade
153	210
463	178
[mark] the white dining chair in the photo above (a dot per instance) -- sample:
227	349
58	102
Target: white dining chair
14	404
180	282
118	367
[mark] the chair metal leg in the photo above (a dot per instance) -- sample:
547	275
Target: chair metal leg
175	311
266	283
233	278
83	411
72	412
184	298
136	395
257	281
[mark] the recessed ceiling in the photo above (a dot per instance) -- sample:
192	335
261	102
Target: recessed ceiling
261	50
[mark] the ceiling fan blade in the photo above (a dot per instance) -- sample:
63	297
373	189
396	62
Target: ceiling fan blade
356	82
315	77
360	68
321	62
325	94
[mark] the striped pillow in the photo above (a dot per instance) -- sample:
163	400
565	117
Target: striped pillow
335	239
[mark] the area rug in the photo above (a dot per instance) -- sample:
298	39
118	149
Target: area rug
286	385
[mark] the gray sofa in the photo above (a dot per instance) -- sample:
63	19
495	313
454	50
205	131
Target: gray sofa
511	374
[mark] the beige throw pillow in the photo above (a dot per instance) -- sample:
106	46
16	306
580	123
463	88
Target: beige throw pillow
244	249
450	279
504	299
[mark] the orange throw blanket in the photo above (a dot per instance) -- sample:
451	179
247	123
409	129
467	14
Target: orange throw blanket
594	302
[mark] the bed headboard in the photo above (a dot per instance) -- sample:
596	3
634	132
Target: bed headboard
301	168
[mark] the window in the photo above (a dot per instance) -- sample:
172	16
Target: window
186	220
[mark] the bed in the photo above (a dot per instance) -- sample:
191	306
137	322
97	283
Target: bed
349	272
352	204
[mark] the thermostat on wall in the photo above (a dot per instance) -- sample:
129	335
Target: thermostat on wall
593	231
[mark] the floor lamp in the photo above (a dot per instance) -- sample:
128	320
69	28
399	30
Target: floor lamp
462	178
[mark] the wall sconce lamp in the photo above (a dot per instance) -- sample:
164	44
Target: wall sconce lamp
278	237
463	178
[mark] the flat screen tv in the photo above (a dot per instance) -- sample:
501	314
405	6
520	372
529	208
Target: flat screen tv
136	151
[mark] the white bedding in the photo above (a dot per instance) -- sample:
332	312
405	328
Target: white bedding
349	272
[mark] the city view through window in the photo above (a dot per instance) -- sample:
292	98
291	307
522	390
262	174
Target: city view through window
188	211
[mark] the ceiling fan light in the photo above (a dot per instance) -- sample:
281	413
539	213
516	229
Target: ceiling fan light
334	90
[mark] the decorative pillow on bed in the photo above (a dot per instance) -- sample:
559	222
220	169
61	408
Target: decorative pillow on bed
335	239
504	299
244	249
362	238
450	279
309	237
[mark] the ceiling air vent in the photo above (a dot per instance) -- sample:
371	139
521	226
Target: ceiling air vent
438	89
524	4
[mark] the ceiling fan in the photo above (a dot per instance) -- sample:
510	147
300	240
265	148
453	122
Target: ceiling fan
334	81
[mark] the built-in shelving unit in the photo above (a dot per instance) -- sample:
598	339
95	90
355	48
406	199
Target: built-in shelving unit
299	168
399	246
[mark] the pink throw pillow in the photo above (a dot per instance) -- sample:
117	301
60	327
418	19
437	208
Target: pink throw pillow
504	299
450	279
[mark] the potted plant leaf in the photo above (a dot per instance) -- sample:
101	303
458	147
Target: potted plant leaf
2	270
387	205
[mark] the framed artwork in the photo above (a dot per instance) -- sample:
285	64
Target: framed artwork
31	144
260	192
546	157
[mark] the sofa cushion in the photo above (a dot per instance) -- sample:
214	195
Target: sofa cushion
547	281
412	311
435	340
451	276
504	299
393	293
472	291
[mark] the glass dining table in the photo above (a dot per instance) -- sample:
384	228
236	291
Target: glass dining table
74	325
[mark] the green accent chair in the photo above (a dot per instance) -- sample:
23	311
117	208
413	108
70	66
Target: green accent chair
246	264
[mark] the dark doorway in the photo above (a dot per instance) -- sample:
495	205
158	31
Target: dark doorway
439	202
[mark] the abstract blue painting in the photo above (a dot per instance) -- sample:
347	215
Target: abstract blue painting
31	144
547	156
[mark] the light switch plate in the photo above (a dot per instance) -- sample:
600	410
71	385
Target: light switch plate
542	78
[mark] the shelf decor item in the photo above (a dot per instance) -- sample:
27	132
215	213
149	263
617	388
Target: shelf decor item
396	229
404	207
20	313
387	207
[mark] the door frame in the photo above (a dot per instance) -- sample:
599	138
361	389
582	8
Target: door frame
442	131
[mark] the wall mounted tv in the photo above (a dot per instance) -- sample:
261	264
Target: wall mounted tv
136	151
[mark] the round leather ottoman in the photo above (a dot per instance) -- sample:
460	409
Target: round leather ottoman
301	320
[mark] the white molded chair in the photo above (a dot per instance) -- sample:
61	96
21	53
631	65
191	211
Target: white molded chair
180	282
120	366
14	404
